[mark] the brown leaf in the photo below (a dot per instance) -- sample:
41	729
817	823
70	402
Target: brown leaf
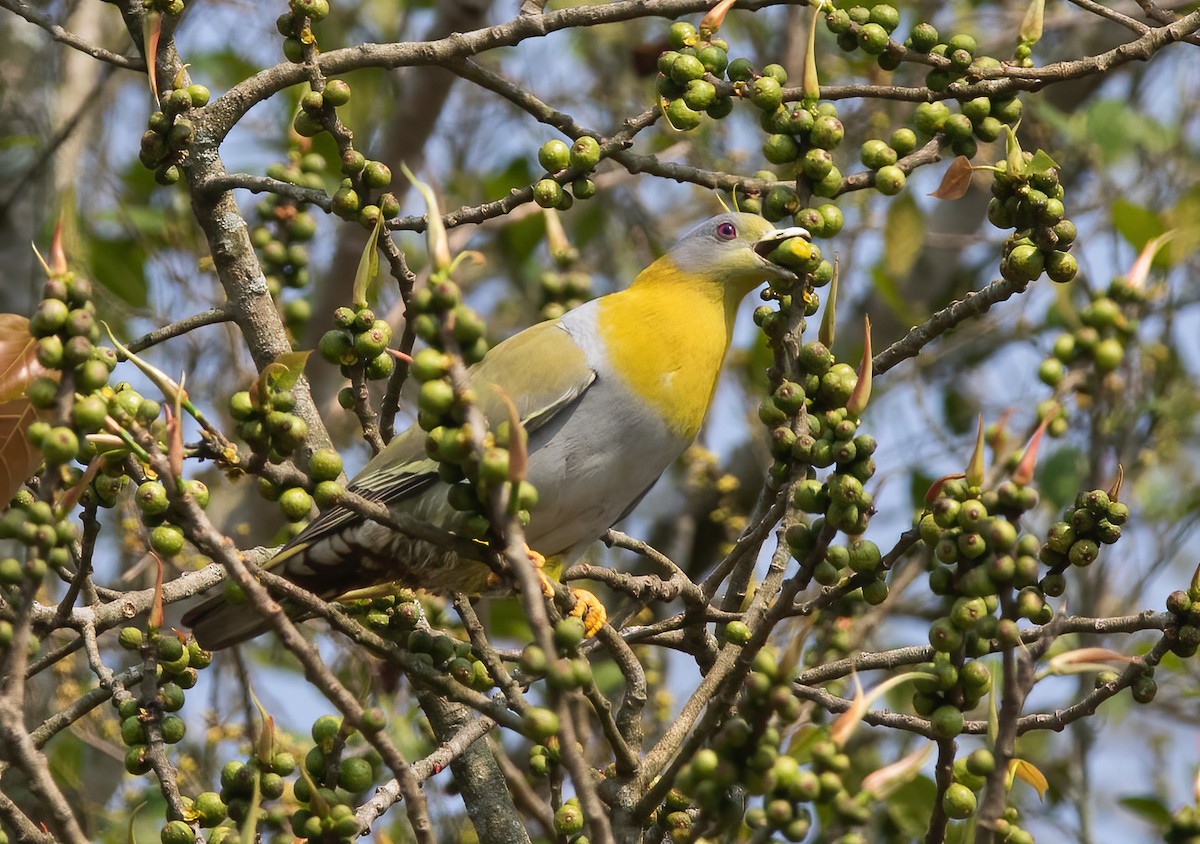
18	367
18	363
18	458
956	181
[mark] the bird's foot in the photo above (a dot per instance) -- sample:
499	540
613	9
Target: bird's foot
587	609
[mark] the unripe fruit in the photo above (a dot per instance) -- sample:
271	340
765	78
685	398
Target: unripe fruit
585	153
177	832
295	503
946	722
959	801
540	723
355	775
889	180
766	93
151	498
568	820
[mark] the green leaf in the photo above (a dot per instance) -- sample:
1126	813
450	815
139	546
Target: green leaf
1042	162
903	235
918	484
889	292
281	374
1149	808
1184	219
1138	225
908	807
119	266
1060	476
802	741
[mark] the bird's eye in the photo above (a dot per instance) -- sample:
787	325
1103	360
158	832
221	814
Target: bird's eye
726	231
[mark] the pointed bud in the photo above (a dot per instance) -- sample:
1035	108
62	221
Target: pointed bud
155	619
518	454
857	402
1085	660
556	237
1014	157
175	441
1141	266
1023	474
266	736
957	180
829	317
844	725
1029	773
368	267
1031	26
435	231
975	467
811	82
1114	491
58	255
884	782
711	23
151	30
172	391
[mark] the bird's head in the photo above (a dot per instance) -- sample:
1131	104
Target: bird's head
732	249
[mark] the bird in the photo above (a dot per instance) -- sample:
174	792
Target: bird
610	395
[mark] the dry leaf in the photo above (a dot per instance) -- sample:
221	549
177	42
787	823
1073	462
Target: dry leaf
18	367
18	458
956	181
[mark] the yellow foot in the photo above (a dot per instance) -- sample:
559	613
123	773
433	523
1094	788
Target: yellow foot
590	611
587	609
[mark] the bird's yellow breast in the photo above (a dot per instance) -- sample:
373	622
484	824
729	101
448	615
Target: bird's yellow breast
666	337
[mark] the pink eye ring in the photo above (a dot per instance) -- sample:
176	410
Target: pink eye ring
726	231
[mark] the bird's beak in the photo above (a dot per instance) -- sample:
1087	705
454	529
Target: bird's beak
774	237
767	243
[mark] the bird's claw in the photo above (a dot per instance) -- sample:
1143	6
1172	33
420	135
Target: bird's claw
589	610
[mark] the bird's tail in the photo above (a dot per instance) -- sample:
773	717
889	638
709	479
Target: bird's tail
217	624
